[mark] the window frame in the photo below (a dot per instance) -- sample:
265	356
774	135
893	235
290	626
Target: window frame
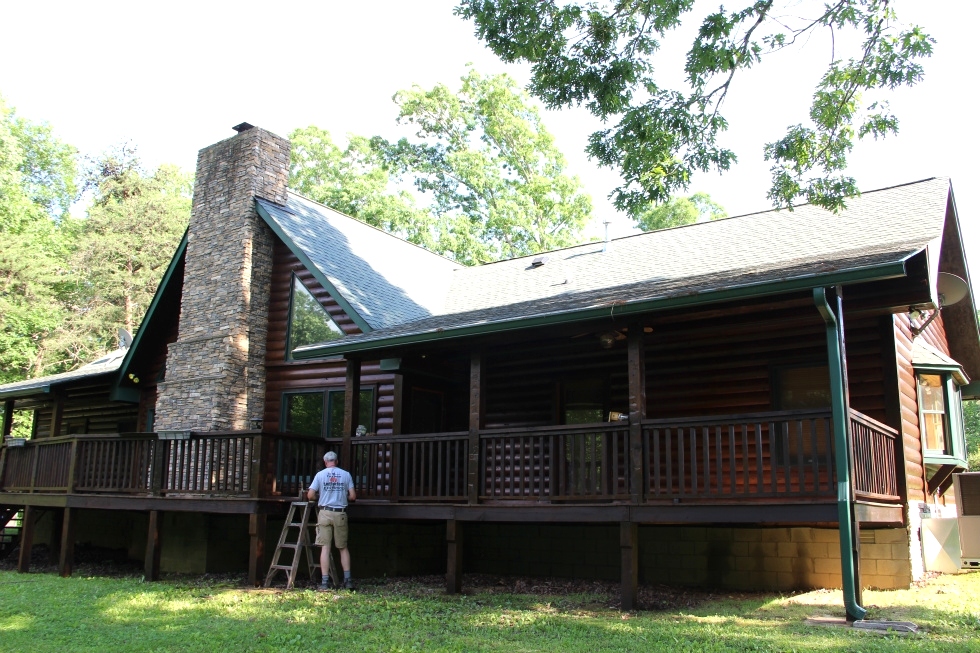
955	451
326	392
294	280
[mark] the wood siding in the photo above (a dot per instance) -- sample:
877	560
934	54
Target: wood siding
87	409
908	396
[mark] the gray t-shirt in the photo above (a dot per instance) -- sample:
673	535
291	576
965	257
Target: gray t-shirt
332	483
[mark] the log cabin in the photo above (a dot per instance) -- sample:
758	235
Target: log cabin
769	401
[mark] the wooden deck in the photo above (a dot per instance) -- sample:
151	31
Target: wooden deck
770	458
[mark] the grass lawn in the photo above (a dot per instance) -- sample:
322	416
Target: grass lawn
42	612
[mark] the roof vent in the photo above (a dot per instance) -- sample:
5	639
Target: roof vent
243	127
539	261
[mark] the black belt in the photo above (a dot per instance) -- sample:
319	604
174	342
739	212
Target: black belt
332	509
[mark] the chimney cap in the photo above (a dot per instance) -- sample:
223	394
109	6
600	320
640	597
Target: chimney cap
242	127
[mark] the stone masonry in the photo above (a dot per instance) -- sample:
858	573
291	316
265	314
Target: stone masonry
215	375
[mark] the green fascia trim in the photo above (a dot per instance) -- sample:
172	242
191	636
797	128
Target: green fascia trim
150	312
26	392
944	460
315	271
886	271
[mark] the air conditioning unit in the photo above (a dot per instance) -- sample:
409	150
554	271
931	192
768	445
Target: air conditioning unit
967	488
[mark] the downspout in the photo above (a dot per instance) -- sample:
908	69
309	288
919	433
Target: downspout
845	508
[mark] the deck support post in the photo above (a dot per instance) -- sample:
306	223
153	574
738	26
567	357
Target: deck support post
256	549
66	554
151	560
352	409
849	538
454	556
476	413
629	551
26	539
637	409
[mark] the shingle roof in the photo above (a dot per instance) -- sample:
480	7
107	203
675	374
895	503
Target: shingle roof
386	280
878	228
104	365
925	355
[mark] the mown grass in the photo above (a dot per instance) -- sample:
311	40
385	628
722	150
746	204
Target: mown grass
42	612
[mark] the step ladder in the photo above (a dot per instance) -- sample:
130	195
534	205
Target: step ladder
11	523
302	544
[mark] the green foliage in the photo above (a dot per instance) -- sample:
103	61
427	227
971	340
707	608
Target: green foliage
309	322
122	248
43	612
679	211
37	183
601	54
971	423
496	181
355	181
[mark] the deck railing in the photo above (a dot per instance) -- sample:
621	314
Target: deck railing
873	445
763	456
559	463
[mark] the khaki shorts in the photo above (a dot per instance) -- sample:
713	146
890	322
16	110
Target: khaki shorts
331	526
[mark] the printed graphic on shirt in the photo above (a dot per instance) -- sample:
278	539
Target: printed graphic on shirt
332	484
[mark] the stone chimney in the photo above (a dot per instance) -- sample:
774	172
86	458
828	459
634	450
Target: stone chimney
215	375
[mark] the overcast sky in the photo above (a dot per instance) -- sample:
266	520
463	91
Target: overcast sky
173	77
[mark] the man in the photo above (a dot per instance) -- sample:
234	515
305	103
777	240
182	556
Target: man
336	488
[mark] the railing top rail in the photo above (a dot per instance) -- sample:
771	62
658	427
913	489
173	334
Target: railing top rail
421	437
873	423
710	420
559	428
61	439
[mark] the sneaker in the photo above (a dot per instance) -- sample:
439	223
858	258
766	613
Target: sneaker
348	584
325	585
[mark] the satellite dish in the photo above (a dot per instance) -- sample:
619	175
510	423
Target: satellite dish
125	339
951	288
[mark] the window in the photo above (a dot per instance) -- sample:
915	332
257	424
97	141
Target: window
940	415
309	322
805	387
304	413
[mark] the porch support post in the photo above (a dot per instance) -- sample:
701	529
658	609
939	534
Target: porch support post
352	408
629	563
8	418
66	557
57	409
454	556
26	539
476	414
256	549
850	559
637	408
151	559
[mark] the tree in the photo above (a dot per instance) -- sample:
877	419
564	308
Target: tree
37	185
124	244
601	54
971	419
496	181
679	211
355	181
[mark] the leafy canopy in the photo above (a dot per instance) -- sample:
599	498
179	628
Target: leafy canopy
37	184
679	211
601	55
125	243
495	178
489	181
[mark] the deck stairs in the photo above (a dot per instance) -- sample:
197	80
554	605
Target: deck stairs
11	519
298	536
